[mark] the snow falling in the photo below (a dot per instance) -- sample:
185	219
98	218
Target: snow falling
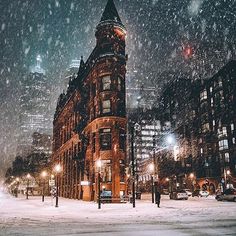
159	34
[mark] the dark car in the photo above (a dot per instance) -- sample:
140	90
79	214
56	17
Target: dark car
228	195
196	193
105	196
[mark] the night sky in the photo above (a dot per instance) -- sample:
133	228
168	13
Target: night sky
166	39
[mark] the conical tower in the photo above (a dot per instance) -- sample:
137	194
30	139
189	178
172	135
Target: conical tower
107	97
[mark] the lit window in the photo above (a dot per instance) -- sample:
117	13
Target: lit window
232	127
223	144
211	89
227	157
220	83
203	95
224	131
119	83
105	139
213	123
205	127
201	150
212	102
233	140
106	83
106	106
106	170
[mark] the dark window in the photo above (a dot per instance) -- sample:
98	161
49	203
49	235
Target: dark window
93	90
121	107
122	139
105	139
94	142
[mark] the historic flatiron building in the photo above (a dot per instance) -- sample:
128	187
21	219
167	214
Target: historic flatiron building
90	118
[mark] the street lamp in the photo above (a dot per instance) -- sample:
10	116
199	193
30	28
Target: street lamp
99	166
27	187
44	175
57	169
192	176
17	186
152	169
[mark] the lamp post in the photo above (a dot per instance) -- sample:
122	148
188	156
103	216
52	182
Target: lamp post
44	175
27	187
99	166
227	181
133	167
57	171
191	176
152	169
17	186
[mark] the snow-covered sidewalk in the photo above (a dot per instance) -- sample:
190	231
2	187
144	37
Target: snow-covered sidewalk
196	216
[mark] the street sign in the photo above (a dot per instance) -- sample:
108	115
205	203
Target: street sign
51	182
85	183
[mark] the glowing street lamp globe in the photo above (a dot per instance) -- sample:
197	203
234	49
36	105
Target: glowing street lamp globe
151	167
44	174
28	176
170	139
191	175
58	168
99	163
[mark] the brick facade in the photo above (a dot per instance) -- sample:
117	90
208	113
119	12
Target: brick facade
90	119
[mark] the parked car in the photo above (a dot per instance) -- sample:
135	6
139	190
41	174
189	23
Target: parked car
200	193
179	195
196	193
105	196
189	192
228	195
204	193
165	191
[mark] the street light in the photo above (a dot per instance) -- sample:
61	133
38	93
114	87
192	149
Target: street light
44	175
57	169
152	169
27	188
17	186
191	175
99	166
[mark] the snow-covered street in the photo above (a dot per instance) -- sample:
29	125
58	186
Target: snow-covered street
196	216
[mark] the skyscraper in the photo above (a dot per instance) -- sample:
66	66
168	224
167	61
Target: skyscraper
34	108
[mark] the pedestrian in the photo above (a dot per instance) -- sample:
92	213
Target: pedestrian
158	198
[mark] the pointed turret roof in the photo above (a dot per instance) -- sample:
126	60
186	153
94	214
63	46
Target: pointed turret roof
110	13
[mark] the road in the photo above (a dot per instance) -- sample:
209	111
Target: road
196	216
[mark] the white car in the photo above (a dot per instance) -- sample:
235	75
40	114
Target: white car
203	193
188	191
179	195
